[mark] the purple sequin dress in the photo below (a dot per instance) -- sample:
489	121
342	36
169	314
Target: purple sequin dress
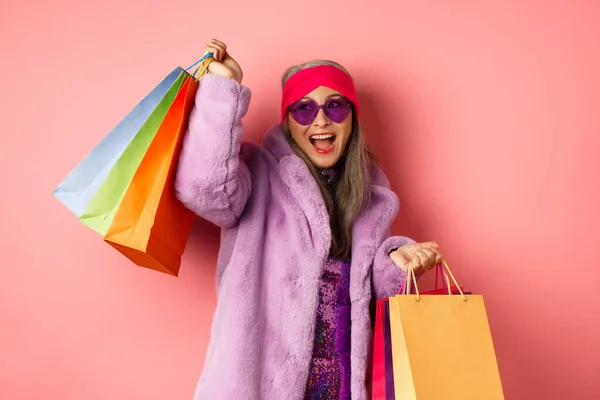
329	374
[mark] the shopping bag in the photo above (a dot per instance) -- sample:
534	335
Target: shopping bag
388	353
155	233
442	347
378	391
79	186
382	379
151	226
101	209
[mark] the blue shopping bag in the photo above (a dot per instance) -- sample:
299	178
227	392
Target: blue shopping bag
79	186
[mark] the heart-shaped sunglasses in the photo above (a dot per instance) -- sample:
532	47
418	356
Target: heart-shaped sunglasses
336	109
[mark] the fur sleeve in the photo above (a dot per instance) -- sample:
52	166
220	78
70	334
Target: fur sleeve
387	276
211	178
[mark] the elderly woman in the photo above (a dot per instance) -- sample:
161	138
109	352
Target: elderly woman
305	245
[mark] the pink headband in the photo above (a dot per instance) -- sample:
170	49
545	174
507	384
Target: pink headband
308	79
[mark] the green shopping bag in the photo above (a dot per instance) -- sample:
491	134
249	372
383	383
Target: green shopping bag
101	210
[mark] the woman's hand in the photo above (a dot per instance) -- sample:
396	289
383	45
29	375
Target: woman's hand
421	257
223	64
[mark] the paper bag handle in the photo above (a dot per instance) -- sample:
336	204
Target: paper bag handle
201	64
406	282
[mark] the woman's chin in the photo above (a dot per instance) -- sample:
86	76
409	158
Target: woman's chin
321	161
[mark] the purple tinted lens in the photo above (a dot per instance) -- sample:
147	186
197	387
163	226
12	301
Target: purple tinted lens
304	111
336	109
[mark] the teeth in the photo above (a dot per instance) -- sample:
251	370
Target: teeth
322	136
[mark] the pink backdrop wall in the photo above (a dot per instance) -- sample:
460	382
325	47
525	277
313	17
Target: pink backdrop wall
484	114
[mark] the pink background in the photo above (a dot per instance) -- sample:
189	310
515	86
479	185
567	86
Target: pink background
484	114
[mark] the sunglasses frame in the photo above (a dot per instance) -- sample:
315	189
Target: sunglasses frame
318	108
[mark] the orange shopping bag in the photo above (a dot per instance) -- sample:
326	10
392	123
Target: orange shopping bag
442	346
151	226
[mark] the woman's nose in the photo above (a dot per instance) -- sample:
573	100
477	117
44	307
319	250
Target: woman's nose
321	119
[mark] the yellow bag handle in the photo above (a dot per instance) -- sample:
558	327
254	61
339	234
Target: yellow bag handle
446	273
200	65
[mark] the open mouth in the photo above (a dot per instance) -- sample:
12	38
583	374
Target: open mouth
323	143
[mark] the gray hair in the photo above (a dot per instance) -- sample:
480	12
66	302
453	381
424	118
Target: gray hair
345	199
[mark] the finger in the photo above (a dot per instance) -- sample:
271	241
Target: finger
425	257
430	261
430	258
438	257
217	51
430	254
219	43
210	49
430	245
220	54
222	48
419	263
425	260
416	262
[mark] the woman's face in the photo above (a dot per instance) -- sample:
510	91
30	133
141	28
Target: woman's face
325	138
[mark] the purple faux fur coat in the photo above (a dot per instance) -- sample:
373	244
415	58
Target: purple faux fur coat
274	242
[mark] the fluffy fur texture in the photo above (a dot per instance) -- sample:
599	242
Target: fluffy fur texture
275	240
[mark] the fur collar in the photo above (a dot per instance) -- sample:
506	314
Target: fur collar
296	176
